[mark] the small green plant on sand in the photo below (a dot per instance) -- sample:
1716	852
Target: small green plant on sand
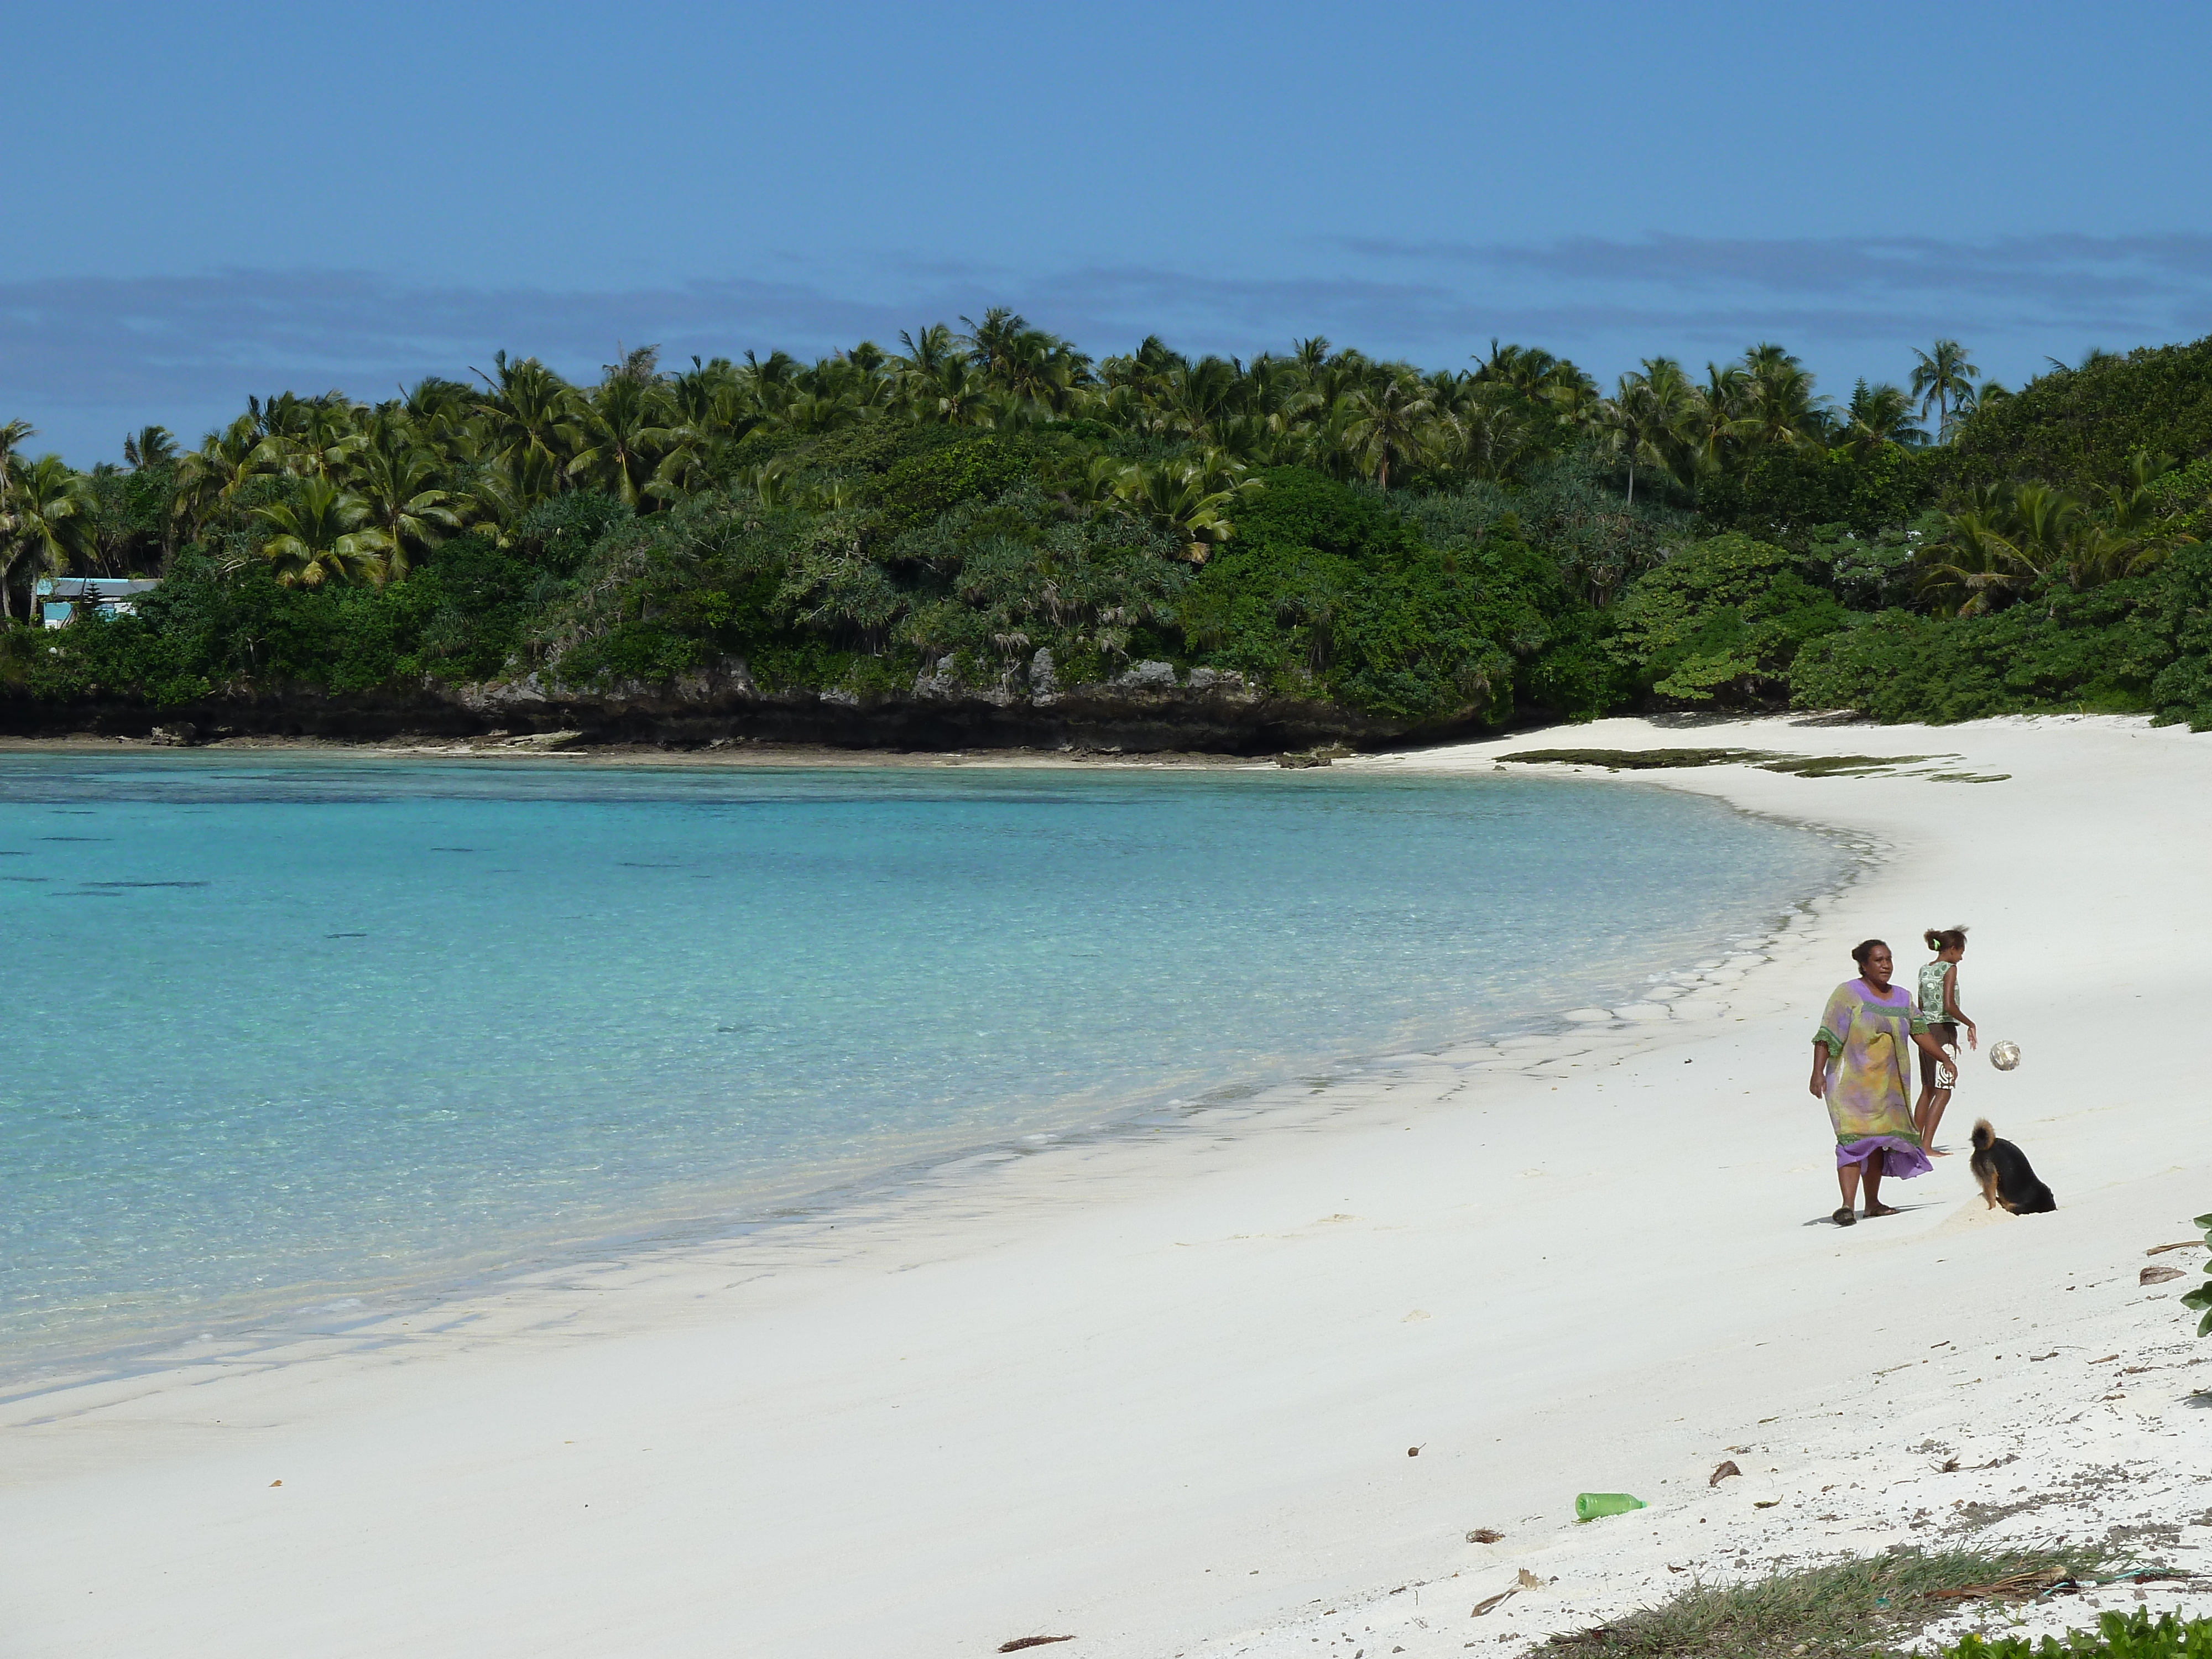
2201	1298
2132	1636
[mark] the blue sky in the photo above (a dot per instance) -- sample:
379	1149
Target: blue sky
206	202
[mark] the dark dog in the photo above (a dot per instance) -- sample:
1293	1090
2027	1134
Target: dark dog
2005	1175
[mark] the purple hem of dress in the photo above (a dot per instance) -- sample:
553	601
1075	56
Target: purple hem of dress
1901	1158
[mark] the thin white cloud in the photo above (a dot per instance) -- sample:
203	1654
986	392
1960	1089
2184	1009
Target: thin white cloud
2081	278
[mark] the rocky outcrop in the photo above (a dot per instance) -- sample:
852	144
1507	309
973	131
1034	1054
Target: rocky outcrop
1149	706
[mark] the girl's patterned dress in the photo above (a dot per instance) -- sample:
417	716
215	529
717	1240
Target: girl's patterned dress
1927	1007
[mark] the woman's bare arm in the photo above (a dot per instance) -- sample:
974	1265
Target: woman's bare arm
1819	1069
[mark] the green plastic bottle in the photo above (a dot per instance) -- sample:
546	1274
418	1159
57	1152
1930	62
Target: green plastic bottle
1589	1505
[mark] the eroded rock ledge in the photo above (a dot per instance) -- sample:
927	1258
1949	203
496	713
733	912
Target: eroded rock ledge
1150	706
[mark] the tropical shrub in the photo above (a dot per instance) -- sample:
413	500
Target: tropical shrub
1725	617
1568	506
1325	591
1786	494
2135	645
2079	429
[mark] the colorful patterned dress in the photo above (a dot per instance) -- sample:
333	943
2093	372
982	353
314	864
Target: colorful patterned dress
1870	1078
1928	1008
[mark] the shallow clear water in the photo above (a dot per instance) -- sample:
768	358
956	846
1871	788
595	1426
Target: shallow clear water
285	1029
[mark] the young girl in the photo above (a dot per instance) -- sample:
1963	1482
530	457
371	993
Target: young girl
1936	1011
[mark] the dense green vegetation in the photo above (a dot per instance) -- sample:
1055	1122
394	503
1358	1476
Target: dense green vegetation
994	510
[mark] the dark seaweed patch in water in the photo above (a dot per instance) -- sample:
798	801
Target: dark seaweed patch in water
14	852
142	883
1659	760
453	849
76	837
345	936
25	878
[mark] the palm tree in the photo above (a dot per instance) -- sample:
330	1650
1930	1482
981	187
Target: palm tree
12	434
1644	424
1971	564
530	412
641	364
1537	376
2094	357
443	414
150	446
323	437
1878	415
624	434
1481	436
1719	419
1145	371
925	351
322	535
714	409
956	394
49	517
1012	357
1781	406
1394	421
397	480
929	354
1189	499
2006	540
1197	400
1943	377
1527	369
209	478
811	412
2131	531
999	344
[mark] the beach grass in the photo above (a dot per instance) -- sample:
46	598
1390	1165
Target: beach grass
1863	1605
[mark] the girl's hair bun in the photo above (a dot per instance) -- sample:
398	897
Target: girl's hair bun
1946	938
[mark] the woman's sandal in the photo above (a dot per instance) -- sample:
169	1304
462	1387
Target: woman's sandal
1844	1217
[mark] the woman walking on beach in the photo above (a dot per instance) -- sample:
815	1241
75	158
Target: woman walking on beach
1935	1011
1860	1068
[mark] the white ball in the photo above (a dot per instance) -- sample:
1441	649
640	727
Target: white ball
2004	1055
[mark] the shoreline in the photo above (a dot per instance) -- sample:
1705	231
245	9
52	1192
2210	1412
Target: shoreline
1161	1395
735	752
864	1192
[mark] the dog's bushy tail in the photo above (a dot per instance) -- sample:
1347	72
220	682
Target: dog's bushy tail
1982	1134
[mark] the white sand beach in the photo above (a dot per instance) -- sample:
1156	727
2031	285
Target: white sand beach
1157	1391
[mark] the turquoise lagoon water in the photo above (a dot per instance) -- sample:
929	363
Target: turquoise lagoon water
285	1031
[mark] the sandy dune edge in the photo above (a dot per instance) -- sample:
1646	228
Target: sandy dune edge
1157	1395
